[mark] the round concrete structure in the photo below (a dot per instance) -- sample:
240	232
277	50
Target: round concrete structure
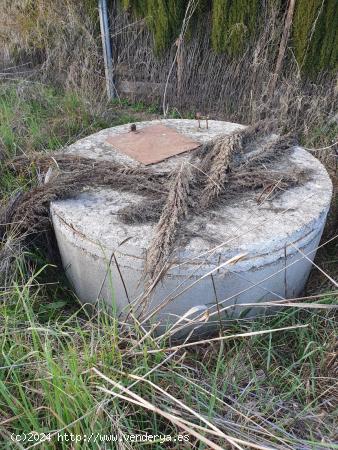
276	240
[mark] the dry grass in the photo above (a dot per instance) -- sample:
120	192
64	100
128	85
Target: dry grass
54	42
174	211
268	384
234	89
60	42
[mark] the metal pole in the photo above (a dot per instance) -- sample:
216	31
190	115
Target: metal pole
107	51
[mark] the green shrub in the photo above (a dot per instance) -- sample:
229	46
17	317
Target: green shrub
233	24
315	36
164	18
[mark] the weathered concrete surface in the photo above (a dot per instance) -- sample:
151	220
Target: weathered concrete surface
271	236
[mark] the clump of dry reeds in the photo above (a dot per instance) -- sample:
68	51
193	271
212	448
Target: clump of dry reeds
62	40
223	153
57	42
29	212
234	88
175	209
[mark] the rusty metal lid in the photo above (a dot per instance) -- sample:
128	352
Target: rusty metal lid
152	144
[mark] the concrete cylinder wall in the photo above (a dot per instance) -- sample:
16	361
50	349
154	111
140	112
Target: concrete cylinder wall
273	237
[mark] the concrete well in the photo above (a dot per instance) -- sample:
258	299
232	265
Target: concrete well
279	239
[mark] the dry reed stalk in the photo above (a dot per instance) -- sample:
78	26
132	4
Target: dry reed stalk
222	338
224	150
174	211
282	46
171	417
212	429
178	421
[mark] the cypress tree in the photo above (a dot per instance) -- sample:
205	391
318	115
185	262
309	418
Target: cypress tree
164	18
305	13
220	15
323	52
315	37
233	24
138	7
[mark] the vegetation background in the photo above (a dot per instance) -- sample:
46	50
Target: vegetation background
61	370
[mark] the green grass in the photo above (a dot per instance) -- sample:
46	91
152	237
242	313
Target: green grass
276	389
39	118
49	348
35	117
